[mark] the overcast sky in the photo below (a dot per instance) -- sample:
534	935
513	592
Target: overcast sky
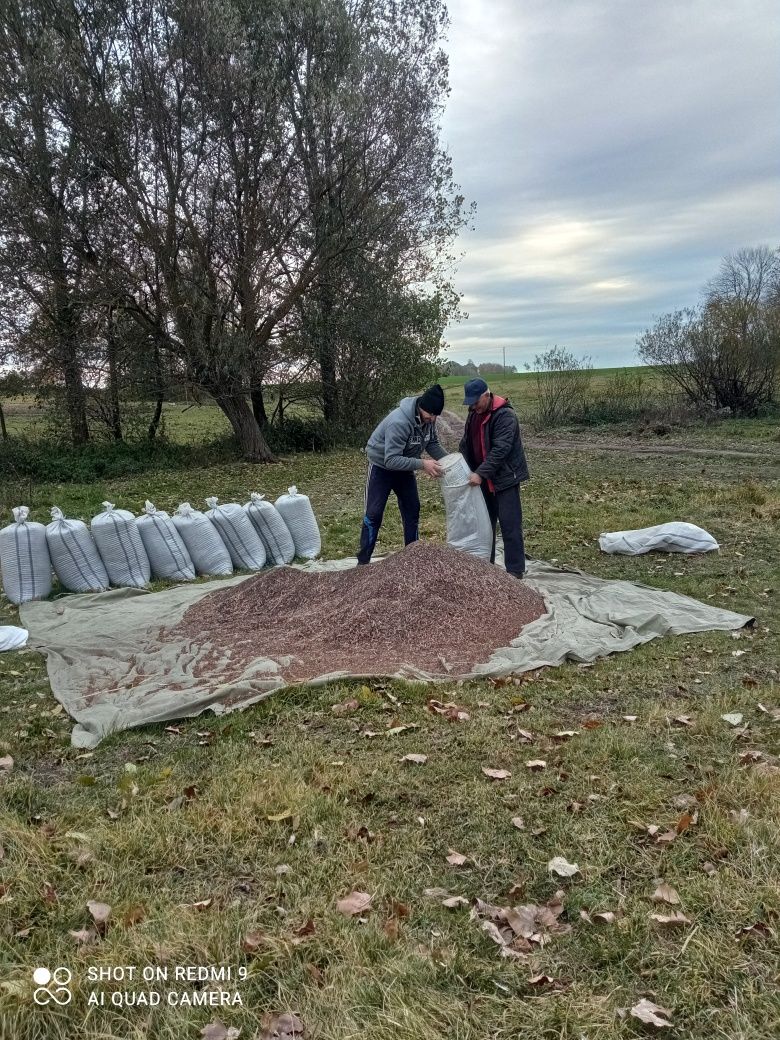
616	150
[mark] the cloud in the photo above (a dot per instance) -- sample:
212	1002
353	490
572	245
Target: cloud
616	153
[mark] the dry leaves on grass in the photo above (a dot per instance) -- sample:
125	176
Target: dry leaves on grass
218	1031
651	1014
355	903
516	929
417	760
535	764
734	718
558	865
6	764
665	894
600	917
451	711
100	914
456	859
282	1027
672	920
496	774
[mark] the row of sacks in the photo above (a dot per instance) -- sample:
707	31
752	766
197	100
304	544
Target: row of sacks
121	549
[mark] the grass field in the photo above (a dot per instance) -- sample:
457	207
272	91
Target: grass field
229	841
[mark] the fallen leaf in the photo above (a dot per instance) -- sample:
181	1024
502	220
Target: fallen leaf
682	720
456	859
252	941
673	919
541	980
202	904
392	929
453	712
134	915
651	1014
759	928
6	764
739	818
495	934
435	893
685	801
417	760
84	935
354	903
525	736
496	774
535	764
592	723
345	707
686	820
734	718
100	912
453	902
709	868
517	821
665	894
605	917
395	730
558	865
630	718
564	734
286	814
218	1031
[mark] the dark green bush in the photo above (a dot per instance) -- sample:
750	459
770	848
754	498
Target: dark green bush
59	462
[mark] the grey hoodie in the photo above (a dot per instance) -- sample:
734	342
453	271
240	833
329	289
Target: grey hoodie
401	438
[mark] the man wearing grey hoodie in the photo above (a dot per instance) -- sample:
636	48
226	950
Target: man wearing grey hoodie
394	452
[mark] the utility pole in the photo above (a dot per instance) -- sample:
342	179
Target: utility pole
504	352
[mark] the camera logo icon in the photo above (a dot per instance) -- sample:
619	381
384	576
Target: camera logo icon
52	986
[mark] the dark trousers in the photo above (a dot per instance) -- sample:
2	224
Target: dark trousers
504	507
379	483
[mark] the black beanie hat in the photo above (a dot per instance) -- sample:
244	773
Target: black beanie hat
432	400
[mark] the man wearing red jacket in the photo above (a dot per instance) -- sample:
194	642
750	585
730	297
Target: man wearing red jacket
492	447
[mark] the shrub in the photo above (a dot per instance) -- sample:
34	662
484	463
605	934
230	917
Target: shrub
562	386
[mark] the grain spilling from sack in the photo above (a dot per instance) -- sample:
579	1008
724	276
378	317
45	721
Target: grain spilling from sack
428	606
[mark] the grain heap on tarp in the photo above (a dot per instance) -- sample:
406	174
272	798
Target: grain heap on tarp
429	606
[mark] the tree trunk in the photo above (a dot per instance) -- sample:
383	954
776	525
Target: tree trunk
75	396
258	406
253	444
327	355
113	379
3	430
159	383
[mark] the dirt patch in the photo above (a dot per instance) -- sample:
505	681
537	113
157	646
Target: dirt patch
429	606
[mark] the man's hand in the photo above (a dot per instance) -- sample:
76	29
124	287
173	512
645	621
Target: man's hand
475	479
432	468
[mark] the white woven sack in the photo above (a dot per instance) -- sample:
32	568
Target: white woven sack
274	533
676	536
301	522
204	542
468	520
243	542
119	542
74	555
24	559
168	555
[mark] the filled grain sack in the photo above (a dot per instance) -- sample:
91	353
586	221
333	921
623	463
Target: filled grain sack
24	559
243	542
274	532
119	542
676	536
204	542
468	521
301	522
168	555
74	555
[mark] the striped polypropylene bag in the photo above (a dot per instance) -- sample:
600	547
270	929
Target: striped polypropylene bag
118	539
269	524
299	516
243	542
168	555
24	559
74	555
203	541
